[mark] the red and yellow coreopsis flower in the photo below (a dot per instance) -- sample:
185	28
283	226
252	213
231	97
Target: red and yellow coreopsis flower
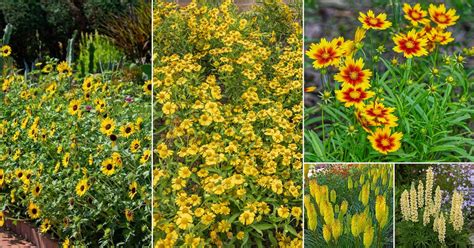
370	21
353	95
325	53
442	17
410	44
440	36
384	142
379	115
352	73
415	14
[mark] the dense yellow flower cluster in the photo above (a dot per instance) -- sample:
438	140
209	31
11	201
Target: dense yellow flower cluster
228	128
410	207
368	215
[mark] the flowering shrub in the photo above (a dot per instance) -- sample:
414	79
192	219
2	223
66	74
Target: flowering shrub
353	211
74	155
425	221
412	104
227	160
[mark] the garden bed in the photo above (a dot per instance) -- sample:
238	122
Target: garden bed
31	233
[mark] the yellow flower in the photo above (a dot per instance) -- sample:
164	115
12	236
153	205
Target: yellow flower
184	221
337	229
283	212
169	108
325	53
415	14
410	44
353	73
135	146
128	215
455	216
6	50
368	236
107	126
353	95
45	226
73	108
327	233
384	141
82	187
247	217
311	213
344	206
442	17
33	211
2	218
370	21
132	189
333	196
381	211
127	130
64	68
36	190
108	167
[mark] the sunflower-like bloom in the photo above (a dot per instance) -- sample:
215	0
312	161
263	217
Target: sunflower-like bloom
415	14
441	16
410	44
352	73
384	141
381	211
73	108
107	126
33	211
82	187
377	114
325	53
370	21
5	51
353	95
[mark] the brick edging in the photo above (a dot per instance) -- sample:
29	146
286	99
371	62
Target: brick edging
31	234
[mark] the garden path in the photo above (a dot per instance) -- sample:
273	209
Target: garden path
8	239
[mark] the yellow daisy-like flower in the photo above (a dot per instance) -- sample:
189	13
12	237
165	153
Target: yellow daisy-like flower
108	167
325	53
410	44
127	130
352	73
132	189
351	95
378	115
415	14
145	156
2	218
45	226
147	87
129	215
47	68
440	36
64	68
384	142
370	21
107	126
135	146
36	191
440	16
247	217
33	211
73	108
6	50
82	187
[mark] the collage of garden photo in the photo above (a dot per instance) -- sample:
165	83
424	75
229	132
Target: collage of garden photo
236	123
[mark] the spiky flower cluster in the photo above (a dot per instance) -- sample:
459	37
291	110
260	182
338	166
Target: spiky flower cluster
411	202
